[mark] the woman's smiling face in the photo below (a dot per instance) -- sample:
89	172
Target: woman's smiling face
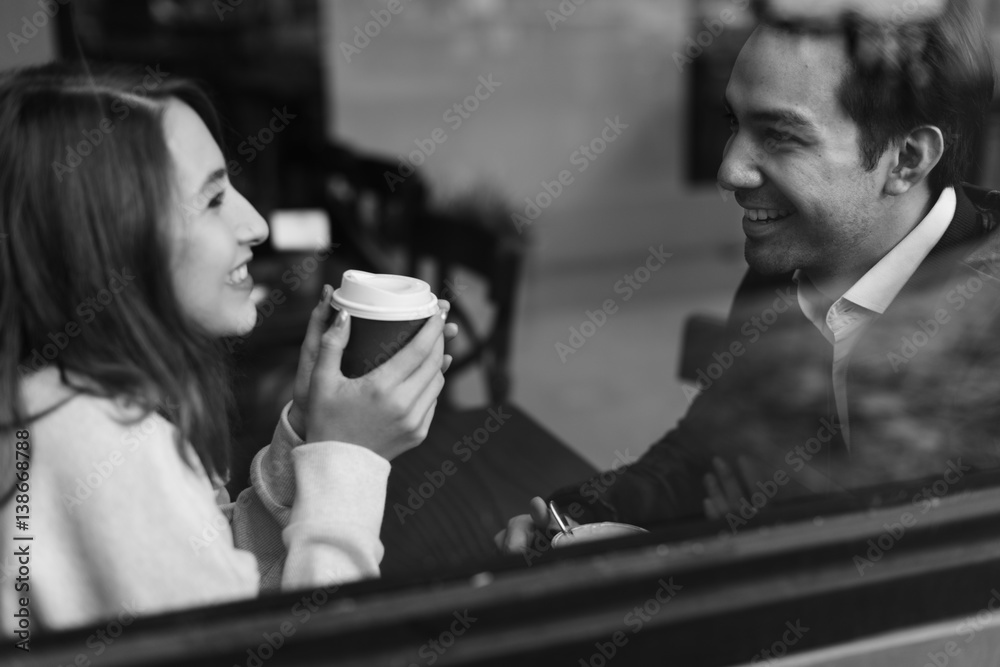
213	229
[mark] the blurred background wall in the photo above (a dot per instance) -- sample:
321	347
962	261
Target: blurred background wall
39	49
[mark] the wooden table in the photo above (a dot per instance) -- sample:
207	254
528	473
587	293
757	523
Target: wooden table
448	497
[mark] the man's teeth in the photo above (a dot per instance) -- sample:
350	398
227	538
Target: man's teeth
238	275
764	214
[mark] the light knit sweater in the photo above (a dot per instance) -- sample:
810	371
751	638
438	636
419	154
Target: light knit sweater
121	523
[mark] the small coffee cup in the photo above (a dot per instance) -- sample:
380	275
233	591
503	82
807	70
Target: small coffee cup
592	532
386	312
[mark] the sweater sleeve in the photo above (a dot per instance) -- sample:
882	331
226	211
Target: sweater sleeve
122	521
313	512
125	521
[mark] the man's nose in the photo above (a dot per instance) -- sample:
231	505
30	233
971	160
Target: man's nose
739	169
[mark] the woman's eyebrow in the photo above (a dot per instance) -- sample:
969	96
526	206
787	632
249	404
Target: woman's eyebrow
216	175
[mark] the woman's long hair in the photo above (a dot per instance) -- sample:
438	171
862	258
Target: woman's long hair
86	195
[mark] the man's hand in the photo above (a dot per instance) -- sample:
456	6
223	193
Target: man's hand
524	530
724	489
298	413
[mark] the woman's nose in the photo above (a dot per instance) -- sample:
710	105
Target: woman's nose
252	227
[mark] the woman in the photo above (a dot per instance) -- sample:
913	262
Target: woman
123	256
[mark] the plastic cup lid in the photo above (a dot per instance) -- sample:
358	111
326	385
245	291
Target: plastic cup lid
383	296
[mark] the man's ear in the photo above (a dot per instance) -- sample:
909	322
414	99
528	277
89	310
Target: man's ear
917	154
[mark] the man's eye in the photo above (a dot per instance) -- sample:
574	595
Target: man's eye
733	123
216	201
778	135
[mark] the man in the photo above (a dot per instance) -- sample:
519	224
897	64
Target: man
862	247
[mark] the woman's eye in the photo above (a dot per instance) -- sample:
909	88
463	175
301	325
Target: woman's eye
216	201
733	124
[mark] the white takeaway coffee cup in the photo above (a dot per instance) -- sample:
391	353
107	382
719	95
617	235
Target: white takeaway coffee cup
386	311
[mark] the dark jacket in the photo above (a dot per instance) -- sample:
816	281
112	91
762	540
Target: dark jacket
923	390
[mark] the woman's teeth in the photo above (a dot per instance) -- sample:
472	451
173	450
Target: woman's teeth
766	214
238	275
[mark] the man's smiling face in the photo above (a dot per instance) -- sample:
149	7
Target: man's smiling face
794	161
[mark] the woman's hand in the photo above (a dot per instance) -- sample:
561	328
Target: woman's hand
298	413
388	410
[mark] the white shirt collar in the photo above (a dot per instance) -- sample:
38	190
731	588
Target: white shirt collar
877	288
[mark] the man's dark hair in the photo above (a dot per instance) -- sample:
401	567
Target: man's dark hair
903	75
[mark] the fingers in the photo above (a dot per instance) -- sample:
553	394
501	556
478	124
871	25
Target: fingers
711	513
731	488
315	328
450	330
427	379
500	538
715	503
518	535
408	360
746	472
446	362
425	424
426	403
332	343
539	512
